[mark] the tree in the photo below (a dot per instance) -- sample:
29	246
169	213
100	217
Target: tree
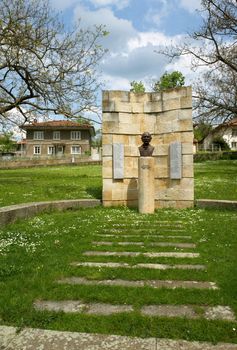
168	81
97	139
221	143
213	49
201	130
137	87
6	143
45	68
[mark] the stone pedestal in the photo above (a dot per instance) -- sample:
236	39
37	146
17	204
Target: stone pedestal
146	188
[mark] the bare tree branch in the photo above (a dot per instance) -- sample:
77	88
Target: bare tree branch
43	67
214	46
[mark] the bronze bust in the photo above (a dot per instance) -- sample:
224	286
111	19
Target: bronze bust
146	149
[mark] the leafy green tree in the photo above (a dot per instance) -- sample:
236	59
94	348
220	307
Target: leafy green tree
137	87
97	139
46	68
219	141
169	81
201	130
6	143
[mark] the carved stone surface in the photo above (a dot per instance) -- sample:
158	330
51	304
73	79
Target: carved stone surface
167	117
118	161
175	160
146	202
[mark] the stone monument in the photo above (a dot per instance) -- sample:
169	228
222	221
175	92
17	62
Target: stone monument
146	202
167	116
146	149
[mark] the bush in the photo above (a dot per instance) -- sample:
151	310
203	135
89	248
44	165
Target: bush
219	141
204	156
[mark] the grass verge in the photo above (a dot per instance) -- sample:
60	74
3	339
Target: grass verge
38	252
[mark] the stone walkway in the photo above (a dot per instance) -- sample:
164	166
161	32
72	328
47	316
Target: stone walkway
217	312
142	245
38	339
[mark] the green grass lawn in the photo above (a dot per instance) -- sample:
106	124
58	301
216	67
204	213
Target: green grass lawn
49	183
35	253
213	179
216	180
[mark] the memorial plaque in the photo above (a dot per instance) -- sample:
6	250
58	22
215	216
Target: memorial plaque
118	161
175	160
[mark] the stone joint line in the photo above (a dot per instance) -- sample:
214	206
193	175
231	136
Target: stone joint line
148	255
218	312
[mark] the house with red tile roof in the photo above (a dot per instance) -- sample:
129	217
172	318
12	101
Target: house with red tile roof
58	138
226	130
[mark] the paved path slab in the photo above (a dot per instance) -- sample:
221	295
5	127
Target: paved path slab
148	255
157	229
154	223
140	266
40	339
210	313
152	244
7	334
142	235
141	283
71	306
79	306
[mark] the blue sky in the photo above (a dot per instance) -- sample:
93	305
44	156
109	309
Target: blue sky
137	28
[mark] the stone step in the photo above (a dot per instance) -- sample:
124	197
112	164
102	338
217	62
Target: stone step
170	284
142	235
145	229
218	312
29	338
152	244
147	223
79	306
148	255
139	266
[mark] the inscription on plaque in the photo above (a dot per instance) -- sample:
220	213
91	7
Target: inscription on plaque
118	161
175	160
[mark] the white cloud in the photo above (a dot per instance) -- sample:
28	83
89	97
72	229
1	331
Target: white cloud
156	16
139	64
120	30
120	4
190	5
152	38
64	4
132	53
119	83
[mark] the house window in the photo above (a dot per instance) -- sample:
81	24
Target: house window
234	132
51	150
37	150
75	135
56	135
38	135
76	150
233	145
60	150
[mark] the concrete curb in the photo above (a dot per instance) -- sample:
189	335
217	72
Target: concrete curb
32	339
214	203
22	211
12	213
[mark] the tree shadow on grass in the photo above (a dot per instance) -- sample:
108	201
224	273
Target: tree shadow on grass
95	192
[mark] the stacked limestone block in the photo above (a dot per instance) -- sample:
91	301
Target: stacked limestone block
168	117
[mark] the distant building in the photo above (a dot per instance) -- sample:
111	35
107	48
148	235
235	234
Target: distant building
56	138
226	130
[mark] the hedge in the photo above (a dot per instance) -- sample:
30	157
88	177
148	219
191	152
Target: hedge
224	155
